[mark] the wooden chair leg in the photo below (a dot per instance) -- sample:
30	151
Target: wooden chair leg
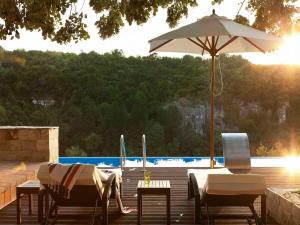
190	189
169	208
140	209
30	204
105	213
210	221
264	209
46	202
18	207
258	220
197	212
49	213
40	206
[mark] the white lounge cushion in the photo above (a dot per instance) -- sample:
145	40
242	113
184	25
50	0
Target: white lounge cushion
221	181
202	174
235	184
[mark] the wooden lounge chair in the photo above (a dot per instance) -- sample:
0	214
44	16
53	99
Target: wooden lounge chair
231	189
88	191
223	190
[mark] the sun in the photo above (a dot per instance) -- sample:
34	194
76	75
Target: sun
292	164
288	53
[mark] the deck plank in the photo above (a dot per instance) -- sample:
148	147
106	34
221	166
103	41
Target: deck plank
154	206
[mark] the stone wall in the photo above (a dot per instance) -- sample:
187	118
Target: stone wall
31	144
283	206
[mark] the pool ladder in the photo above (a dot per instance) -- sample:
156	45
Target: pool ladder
122	152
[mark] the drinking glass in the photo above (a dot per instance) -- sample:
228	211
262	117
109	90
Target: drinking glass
147	175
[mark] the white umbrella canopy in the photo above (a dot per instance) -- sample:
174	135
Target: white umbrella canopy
214	35
230	37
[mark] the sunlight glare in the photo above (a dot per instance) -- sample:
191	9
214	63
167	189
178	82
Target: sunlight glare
288	53
290	50
292	164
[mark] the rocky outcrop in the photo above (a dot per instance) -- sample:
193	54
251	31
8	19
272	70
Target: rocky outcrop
197	114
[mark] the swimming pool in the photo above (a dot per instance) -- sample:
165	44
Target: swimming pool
170	161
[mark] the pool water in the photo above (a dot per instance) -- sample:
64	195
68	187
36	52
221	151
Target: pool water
169	161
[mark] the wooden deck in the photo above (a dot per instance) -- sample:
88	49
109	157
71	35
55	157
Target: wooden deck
154	207
13	174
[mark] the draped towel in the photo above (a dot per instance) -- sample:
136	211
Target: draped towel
64	176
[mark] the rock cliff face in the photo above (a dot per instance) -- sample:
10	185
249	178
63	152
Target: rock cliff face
282	112
198	114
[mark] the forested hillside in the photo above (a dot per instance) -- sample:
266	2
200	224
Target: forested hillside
95	98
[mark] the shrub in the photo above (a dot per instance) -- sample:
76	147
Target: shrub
75	151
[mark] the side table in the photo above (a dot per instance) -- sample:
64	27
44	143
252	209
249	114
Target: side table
155	187
29	188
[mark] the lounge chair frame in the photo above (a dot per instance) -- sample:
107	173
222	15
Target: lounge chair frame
82	196
208	200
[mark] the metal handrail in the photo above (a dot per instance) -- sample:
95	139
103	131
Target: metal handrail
144	152
122	152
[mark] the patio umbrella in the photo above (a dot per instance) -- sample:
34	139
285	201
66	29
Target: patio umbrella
214	35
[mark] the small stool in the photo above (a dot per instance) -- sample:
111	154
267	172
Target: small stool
31	187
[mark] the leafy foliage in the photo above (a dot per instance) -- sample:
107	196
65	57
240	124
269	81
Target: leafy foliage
65	21
75	151
60	21
95	98
277	16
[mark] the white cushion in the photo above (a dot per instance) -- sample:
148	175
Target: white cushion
202	174
235	184
222	182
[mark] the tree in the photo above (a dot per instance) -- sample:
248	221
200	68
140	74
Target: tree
65	21
276	16
93	142
95	98
75	151
155	138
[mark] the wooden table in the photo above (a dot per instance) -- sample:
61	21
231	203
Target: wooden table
155	187
31	187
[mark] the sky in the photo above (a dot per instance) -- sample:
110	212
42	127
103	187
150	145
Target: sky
133	40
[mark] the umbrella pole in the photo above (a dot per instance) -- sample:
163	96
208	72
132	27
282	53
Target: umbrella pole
212	105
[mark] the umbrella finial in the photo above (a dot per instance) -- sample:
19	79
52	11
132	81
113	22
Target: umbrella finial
214	12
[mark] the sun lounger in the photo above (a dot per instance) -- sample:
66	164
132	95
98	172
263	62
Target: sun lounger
88	191
221	188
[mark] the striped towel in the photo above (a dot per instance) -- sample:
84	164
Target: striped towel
64	177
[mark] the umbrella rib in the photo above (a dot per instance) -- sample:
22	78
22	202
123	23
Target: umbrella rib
203	48
166	42
199	44
227	43
216	42
256	46
203	44
206	40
